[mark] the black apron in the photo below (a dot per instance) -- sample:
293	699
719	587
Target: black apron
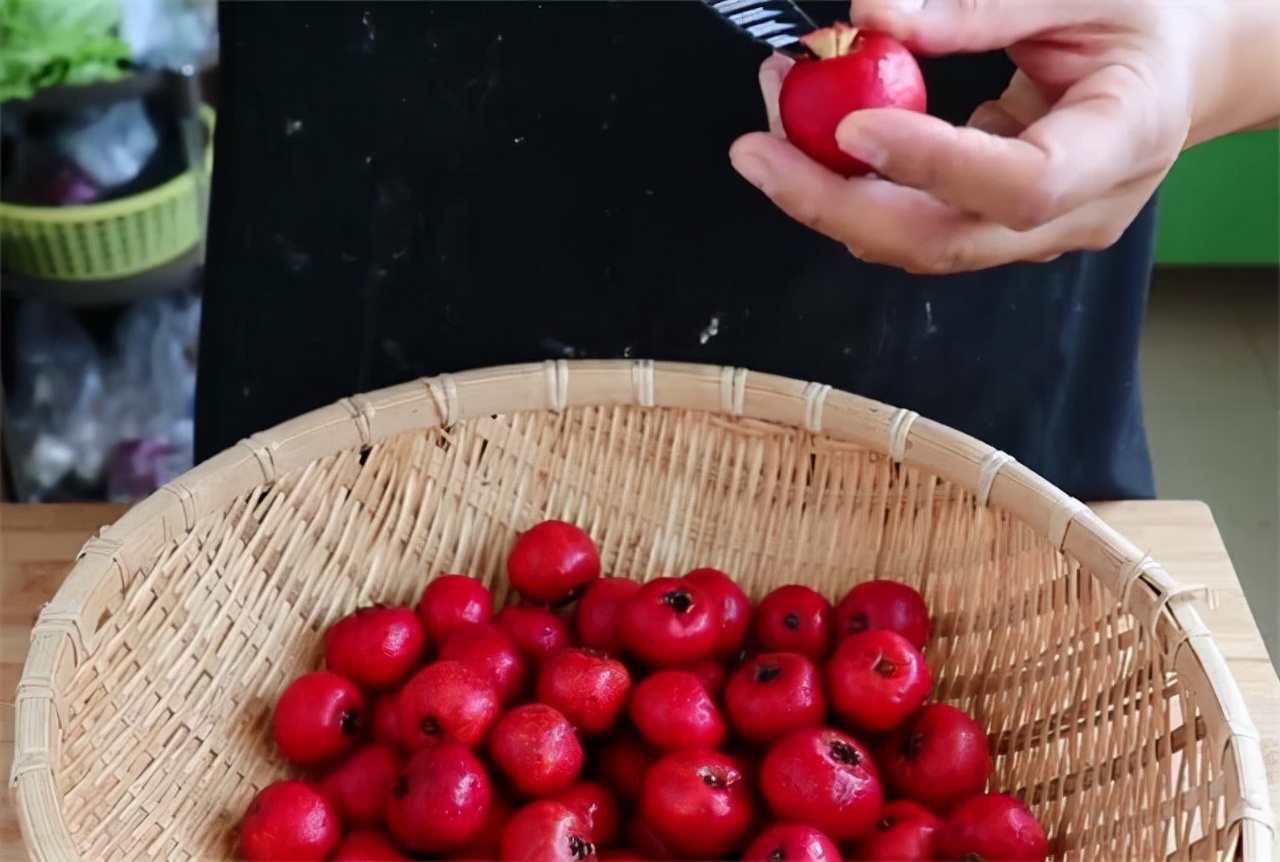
404	189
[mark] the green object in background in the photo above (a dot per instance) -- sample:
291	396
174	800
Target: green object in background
51	43
1220	205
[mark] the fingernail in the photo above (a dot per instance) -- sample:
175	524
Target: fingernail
753	169
857	142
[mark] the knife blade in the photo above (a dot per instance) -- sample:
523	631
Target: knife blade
776	23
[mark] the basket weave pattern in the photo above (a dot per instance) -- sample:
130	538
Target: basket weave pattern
143	720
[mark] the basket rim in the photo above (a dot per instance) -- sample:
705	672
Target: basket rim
64	634
128	207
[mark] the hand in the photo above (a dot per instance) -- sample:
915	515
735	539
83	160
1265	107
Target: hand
1103	103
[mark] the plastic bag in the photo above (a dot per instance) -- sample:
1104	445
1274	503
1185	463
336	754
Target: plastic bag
56	407
117	423
170	34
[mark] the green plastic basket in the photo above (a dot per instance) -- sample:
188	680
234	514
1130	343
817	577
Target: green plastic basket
112	240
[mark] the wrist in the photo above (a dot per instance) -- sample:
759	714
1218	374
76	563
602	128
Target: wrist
1239	86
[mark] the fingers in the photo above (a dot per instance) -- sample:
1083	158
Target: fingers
1092	142
882	222
992	118
772	71
936	27
878	221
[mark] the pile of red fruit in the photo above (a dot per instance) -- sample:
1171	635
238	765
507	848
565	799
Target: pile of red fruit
604	718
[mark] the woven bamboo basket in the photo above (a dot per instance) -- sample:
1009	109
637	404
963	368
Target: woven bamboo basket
143	712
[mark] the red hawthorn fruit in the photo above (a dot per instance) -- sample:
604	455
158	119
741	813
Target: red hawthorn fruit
537	632
826	779
938	758
905	832
671	622
386	720
289	820
598	806
447	699
794	842
699	803
487	845
547	831
735	609
490	652
537	749
876	680
440	800
552	563
853	70
621	761
589	687
774	695
376	647
992	826
884	604
367	845
711	674
598	619
673	710
319	716
795	618
451	602
357	785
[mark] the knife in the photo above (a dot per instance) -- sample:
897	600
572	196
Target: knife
776	23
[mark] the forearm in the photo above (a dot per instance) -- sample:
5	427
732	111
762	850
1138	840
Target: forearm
1240	89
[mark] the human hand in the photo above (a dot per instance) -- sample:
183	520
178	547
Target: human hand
1104	101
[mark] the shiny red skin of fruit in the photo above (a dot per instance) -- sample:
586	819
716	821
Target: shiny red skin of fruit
735	609
547	831
552	562
386	720
490	652
537	633
699	802
711	674
938	758
376	647
366	845
598	618
621	762
357	785
597	805
487	845
440	800
816	95
884	604
826	779
447	699
319	716
671	622
795	618
288	820
673	710
774	695
992	826
792	842
451	602
619	856
590	688
876	680
905	832
537	749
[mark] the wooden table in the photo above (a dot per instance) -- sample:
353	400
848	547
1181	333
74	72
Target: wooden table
39	542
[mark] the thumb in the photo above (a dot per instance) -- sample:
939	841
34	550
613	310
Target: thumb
937	27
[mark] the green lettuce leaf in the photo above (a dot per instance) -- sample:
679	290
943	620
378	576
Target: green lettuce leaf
45	43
